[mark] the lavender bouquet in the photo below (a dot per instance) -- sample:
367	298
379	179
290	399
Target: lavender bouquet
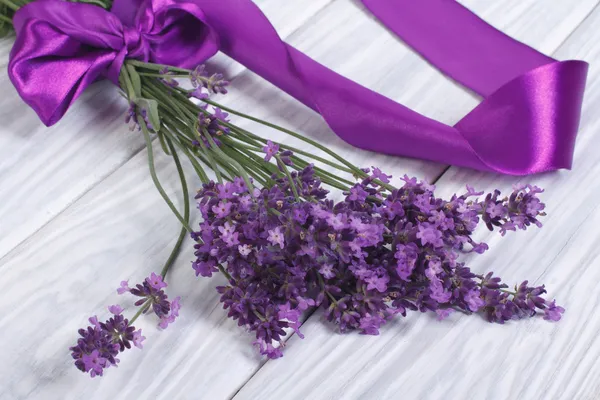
286	243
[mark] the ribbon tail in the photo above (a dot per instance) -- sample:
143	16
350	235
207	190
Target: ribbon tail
356	114
55	56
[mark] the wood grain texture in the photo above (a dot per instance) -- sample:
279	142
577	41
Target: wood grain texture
113	226
44	170
465	357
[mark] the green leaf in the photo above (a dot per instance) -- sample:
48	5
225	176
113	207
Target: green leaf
151	107
135	80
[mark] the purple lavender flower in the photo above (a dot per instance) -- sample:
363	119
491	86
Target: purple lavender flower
357	193
276	237
156	281
138	339
124	288
153	297
115	309
406	257
443	313
131	117
213	83
94	321
370	324
429	235
377	281
377	174
285	311
245	250
205	268
270	150
226	190
222	209
167	80
93	363
438	292
327	271
474	300
496	210
228	234
221	115
198	93
166	320
553	312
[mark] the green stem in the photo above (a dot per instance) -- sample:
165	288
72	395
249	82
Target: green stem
256	170
236	164
289	176
186	206
197	167
154	67
319	146
155	177
142	310
229	278
164	100
164	76
163	143
128	84
211	160
306	154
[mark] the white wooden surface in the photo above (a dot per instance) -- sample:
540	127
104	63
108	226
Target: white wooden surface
78	213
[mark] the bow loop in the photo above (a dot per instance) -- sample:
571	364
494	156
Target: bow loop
177	32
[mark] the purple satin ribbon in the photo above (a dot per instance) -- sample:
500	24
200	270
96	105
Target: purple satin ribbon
526	123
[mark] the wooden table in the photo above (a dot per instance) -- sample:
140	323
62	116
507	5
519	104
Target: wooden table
79	213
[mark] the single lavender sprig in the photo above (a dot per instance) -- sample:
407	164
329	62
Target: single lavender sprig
101	342
214	83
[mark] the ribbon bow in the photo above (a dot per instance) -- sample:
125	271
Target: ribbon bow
527	122
61	48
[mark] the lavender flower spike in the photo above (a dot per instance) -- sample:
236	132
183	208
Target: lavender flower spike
100	343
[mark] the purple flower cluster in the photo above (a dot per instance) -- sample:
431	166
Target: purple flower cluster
101	342
131	117
168	80
201	80
213	124
152	296
363	260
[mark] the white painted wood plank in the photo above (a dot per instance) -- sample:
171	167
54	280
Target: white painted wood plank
465	357
43	170
121	229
